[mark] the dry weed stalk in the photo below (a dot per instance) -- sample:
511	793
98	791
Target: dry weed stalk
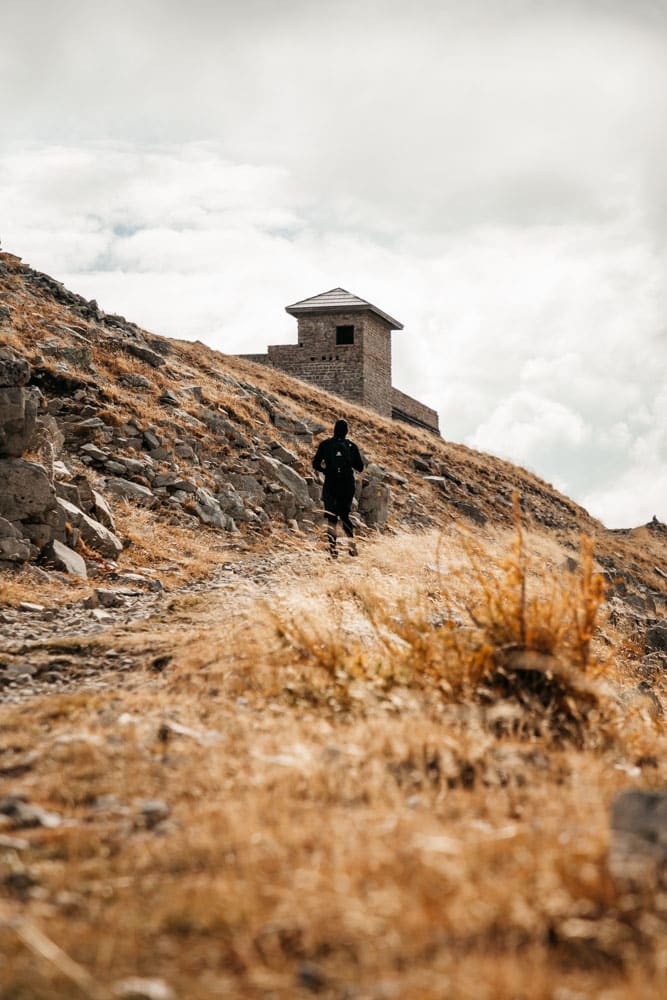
528	643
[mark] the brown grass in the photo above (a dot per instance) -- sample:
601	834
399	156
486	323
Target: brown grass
341	821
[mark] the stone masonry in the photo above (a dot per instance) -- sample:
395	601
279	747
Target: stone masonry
344	346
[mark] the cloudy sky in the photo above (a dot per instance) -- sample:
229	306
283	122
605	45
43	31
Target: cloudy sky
491	172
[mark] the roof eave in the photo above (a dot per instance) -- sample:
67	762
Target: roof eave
297	311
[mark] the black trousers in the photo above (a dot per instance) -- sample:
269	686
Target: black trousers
337	507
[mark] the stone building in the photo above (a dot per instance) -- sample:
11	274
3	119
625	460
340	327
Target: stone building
344	346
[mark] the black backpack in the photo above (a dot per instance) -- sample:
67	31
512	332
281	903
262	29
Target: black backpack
340	464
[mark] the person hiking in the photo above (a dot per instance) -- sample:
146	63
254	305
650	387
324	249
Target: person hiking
338	459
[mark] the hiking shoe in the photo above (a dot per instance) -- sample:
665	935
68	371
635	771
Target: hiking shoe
353	550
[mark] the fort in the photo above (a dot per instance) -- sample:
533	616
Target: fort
344	346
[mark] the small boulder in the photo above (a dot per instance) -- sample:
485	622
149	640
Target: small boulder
101	511
14	369
25	490
13	547
131	491
60	556
208	509
287	477
144	354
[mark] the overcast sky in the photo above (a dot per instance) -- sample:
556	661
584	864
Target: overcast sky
491	172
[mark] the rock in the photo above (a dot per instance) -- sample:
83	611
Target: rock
224	427
181	485
69	492
18	418
135	381
195	391
470	511
208	509
291	425
14	550
131	491
23	814
168	398
144	353
93	533
231	502
154	811
77	355
15	671
280	502
25	490
282	454
136	988
60	470
106	598
656	638
374	500
138	467
249	487
186	452
376	472
102	511
151	440
8	530
420	465
41	533
638	850
116	468
287	477
96	454
63	558
14	369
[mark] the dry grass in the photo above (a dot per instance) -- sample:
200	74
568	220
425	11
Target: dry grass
386	840
26	583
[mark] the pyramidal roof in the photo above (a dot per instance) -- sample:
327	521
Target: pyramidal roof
339	300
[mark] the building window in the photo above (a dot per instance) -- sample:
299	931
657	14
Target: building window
344	334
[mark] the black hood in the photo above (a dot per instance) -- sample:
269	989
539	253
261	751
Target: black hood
340	429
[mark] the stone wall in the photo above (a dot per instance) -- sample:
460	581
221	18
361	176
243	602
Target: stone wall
317	358
259	359
360	371
377	365
411	411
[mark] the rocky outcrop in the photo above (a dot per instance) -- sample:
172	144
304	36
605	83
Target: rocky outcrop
40	517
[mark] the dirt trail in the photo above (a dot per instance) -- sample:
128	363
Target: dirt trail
58	649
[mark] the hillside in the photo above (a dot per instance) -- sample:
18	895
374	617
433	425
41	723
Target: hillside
233	768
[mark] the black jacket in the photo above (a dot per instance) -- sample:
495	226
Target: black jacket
324	461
